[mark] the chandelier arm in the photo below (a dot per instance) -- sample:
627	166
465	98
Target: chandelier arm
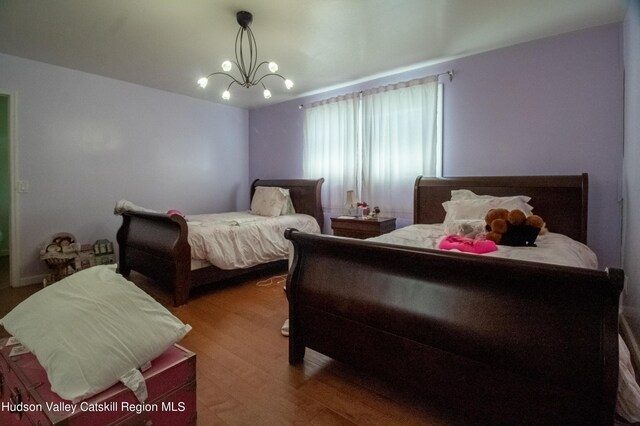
267	75
253	77
237	65
228	75
253	55
239	55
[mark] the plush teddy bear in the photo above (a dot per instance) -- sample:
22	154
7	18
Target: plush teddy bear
512	228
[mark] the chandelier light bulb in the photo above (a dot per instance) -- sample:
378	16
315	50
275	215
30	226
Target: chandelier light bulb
226	66
267	94
203	82
288	84
273	67
226	95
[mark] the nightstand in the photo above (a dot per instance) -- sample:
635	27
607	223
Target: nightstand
362	228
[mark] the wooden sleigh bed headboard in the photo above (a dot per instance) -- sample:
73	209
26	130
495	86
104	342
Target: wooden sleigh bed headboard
562	201
503	341
157	246
305	194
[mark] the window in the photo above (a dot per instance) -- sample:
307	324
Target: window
375	142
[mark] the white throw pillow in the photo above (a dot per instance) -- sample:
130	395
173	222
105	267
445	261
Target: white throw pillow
465	194
92	329
269	201
477	209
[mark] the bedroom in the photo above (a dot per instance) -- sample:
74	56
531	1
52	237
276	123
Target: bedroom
83	141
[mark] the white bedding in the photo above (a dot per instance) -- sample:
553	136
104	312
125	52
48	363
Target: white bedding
551	248
240	239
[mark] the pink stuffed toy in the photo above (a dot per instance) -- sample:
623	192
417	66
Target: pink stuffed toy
467	245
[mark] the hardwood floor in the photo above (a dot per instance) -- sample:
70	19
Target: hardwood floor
10	297
243	373
244	376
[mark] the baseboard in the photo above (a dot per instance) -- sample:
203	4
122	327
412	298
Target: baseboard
34	279
631	341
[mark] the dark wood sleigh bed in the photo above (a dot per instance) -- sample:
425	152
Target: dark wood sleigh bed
157	246
501	341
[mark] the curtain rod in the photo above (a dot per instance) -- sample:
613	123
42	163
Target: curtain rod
448	72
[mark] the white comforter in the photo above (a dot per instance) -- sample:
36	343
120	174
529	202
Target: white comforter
551	248
241	239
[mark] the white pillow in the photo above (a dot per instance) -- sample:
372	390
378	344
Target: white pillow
287	207
477	209
465	194
91	329
269	201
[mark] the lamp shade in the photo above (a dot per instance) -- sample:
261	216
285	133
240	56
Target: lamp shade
351	199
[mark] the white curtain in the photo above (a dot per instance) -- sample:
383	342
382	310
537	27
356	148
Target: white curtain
376	143
332	150
399	143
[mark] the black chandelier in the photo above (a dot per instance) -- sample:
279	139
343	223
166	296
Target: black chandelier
248	71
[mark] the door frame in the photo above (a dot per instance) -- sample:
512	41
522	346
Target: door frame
14	260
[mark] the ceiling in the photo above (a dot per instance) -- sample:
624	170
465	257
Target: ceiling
319	44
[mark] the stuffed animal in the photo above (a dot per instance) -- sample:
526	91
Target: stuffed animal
512	228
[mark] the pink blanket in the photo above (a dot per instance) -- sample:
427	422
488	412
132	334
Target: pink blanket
467	245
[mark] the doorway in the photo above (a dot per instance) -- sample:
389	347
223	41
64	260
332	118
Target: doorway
5	193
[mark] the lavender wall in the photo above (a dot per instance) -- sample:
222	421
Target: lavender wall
631	248
551	106
83	142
